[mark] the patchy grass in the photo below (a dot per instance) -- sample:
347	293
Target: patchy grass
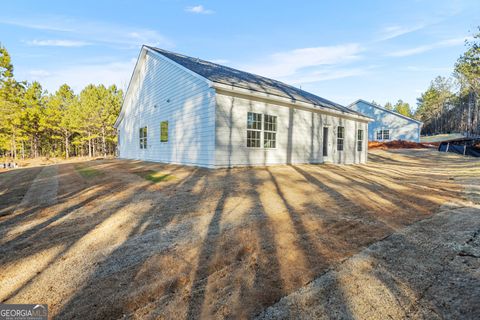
156	176
211	244
87	172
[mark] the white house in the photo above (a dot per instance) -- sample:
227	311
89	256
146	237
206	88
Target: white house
184	110
388	125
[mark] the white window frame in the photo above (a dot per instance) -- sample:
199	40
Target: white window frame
340	139
386	134
143	137
269	129
382	134
360	137
254	126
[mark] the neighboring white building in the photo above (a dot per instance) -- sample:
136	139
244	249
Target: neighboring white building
184	110
387	125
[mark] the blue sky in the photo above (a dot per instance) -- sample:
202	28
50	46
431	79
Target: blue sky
340	50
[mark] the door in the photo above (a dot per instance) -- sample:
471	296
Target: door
326	144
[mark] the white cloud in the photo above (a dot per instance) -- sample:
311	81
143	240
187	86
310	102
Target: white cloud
78	76
199	10
93	32
289	63
327	74
57	43
392	32
424	48
39	73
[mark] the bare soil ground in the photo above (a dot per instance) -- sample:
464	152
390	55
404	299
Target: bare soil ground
112	239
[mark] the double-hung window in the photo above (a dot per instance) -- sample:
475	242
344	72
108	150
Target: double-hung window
360	140
270	131
386	134
340	138
143	138
254	129
383	134
261	127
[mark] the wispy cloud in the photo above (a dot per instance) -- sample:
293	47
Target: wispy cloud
199	9
57	43
395	31
288	63
78	76
92	32
428	47
49	24
328	74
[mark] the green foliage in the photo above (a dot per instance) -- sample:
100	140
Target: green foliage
403	108
156	177
6	67
87	172
435	100
467	68
34	123
388	106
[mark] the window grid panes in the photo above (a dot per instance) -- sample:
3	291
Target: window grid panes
254	121
253	139
164	131
143	138
383	134
360	140
269	134
254	129
340	137
386	134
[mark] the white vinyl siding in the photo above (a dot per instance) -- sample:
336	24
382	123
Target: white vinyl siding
298	136
163	90
399	126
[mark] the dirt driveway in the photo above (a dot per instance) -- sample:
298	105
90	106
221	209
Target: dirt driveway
112	239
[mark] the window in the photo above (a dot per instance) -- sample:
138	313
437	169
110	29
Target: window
164	131
386	134
340	137
383	134
360	140
270	131
254	129
143	138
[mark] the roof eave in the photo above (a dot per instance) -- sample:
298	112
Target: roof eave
384	109
294	103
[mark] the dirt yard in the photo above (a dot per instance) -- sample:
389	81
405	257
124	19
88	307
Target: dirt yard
112	239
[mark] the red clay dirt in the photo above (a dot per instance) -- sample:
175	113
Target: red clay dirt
396	144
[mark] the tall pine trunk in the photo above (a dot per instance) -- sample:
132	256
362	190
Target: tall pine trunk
89	145
104	142
67	146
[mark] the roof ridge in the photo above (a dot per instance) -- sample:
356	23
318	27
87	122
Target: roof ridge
228	75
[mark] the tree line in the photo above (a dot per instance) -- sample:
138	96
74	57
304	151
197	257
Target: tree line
36	123
452	104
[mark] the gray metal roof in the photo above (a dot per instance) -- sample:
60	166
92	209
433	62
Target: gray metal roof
241	79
